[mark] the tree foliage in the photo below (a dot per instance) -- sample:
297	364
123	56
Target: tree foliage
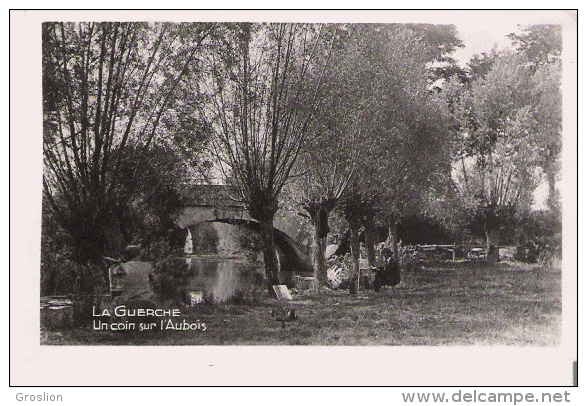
496	161
264	90
542	44
438	42
107	89
378	135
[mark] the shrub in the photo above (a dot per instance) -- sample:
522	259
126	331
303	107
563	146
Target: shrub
62	276
171	277
409	261
551	249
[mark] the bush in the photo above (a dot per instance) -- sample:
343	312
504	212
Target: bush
61	272
423	230
205	239
551	249
62	276
409	260
542	227
247	298
171	277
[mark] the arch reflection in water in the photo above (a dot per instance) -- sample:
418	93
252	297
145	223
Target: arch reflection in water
221	279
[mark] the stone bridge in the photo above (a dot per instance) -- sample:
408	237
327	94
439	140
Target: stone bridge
209	207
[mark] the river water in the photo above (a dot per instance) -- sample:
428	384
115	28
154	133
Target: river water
220	279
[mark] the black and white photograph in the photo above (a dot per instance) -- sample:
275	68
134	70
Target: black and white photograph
306	180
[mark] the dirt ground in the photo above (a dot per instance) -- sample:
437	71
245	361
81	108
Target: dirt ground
466	303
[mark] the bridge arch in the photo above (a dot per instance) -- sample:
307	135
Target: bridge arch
218	204
292	258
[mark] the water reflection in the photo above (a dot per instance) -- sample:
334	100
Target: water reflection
221	279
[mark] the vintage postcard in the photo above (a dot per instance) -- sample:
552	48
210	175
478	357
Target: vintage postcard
371	198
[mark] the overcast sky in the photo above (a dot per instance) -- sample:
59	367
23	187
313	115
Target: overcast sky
481	30
482	39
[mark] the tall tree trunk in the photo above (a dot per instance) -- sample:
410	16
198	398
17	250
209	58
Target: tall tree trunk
492	235
319	212
393	238
354	226
552	202
115	241
263	209
269	254
369	225
318	261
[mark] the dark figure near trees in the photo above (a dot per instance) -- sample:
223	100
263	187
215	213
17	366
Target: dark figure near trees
388	274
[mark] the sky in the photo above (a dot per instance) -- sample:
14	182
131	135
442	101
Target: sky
478	40
481	30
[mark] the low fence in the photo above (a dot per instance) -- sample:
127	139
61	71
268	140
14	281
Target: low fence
456	252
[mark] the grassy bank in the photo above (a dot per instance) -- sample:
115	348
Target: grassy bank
509	303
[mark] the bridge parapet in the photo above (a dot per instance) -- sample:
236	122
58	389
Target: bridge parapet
210	203
192	215
205	203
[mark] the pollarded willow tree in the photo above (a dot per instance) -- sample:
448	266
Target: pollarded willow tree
107	90
496	163
378	137
404	147
421	164
320	185
265	86
333	150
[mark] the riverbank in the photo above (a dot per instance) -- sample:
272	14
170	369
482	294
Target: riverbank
511	304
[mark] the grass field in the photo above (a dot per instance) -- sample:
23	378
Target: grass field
509	303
